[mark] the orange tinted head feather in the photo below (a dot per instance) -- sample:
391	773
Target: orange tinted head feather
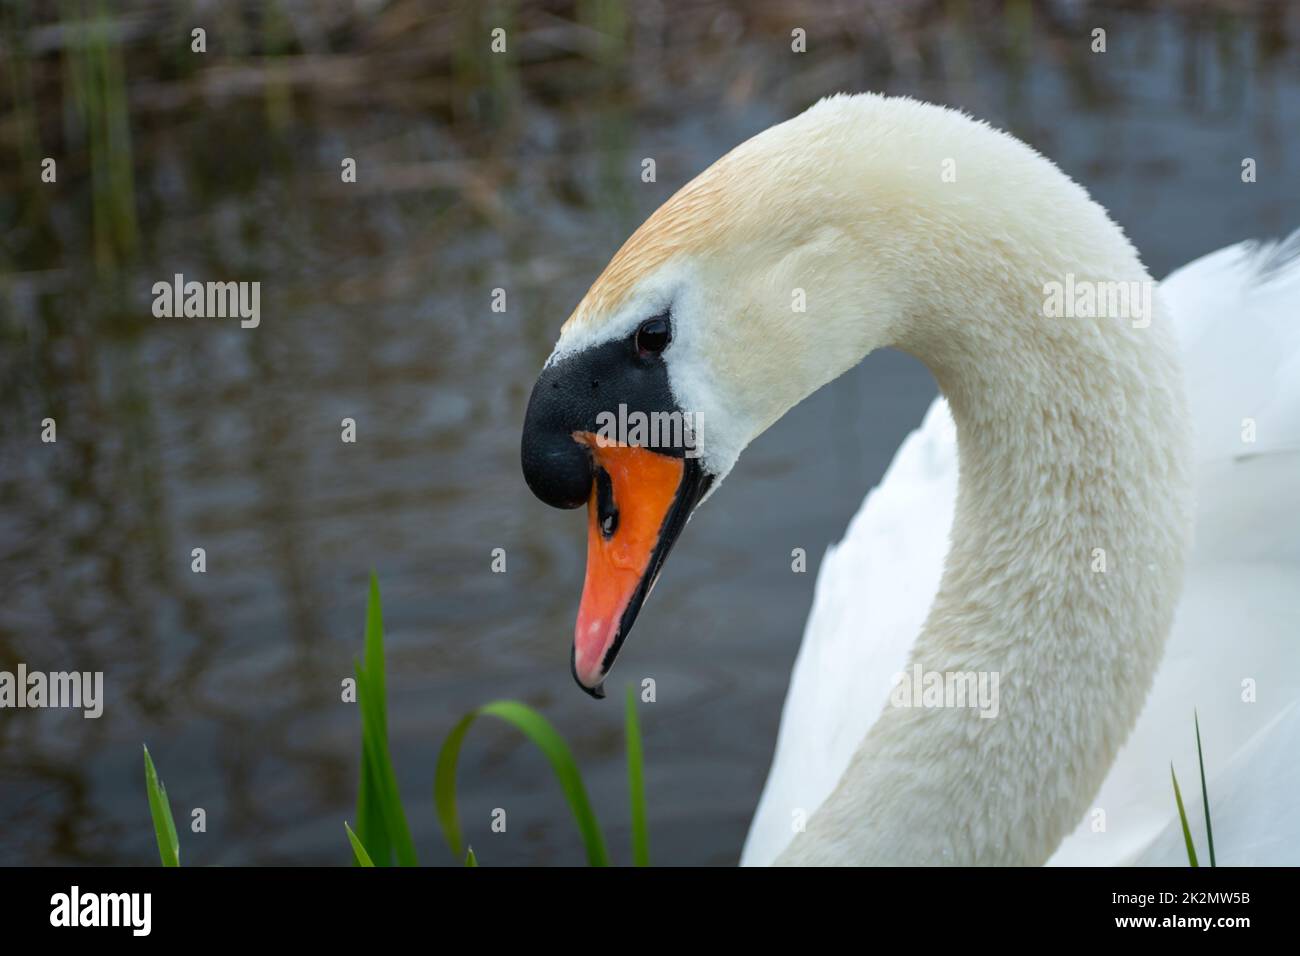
689	221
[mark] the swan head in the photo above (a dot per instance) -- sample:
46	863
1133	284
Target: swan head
721	312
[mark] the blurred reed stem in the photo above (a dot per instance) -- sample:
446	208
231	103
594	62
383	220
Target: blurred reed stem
96	78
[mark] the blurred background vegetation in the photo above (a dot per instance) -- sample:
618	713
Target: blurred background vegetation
474	171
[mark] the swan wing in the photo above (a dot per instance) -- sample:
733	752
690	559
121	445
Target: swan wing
1233	656
873	591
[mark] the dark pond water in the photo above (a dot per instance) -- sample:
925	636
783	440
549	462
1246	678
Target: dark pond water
522	174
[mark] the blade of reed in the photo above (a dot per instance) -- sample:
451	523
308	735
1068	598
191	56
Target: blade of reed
358	848
470	858
370	813
1205	795
1182	815
636	783
164	827
381	819
547	739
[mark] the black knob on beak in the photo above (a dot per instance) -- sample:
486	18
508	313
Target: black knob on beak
557	468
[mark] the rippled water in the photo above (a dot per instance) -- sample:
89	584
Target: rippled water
182	433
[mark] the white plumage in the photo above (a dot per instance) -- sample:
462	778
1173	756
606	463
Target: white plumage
1233	654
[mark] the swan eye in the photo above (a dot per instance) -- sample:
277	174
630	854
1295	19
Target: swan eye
653	335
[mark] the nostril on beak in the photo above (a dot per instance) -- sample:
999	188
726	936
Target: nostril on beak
606	510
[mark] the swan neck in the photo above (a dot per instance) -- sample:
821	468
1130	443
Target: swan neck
1065	564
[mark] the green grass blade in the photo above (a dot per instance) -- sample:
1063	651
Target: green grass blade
1205	795
547	739
372	823
1182	815
444	783
636	783
381	819
470	858
164	828
374	651
358	848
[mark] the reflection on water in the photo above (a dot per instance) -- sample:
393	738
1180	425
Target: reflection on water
474	172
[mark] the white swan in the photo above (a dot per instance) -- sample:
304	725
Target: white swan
868	222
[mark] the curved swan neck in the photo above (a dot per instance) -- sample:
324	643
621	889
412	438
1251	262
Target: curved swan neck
1072	516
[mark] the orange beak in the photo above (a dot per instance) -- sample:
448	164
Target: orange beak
639	503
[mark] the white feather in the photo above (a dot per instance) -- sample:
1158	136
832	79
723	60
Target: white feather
1237	629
